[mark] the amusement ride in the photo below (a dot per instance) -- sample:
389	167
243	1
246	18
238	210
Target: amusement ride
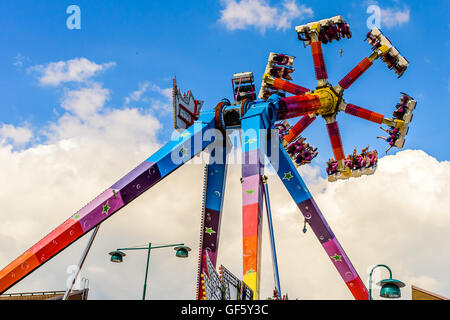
260	120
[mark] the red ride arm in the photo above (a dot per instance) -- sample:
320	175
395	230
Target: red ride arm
299	127
319	62
356	72
289	87
335	139
295	106
364	113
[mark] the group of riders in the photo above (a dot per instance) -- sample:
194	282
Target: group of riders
366	159
301	151
328	33
399	113
390	60
282	72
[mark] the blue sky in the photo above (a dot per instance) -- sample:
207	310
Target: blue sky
129	52
152	41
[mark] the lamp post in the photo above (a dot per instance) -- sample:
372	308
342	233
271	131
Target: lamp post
390	288
182	251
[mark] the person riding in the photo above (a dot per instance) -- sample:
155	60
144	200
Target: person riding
400	111
373	157
332	166
365	157
393	135
364	151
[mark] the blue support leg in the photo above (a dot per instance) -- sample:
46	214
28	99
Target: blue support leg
213	194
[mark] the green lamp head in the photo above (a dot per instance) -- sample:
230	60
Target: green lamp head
182	251
390	288
117	256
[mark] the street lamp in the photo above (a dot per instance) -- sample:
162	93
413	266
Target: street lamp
182	251
390	288
117	256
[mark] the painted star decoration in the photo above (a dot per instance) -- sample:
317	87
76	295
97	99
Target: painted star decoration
106	208
184	152
336	257
288	176
209	230
250	271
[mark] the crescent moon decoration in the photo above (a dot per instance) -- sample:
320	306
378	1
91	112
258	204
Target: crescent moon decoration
349	275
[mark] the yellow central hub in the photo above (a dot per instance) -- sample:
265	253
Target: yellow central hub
328	100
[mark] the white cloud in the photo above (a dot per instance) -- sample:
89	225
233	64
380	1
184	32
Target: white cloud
101	148
75	70
141	95
165	92
261	15
137	95
17	136
391	17
20	60
85	101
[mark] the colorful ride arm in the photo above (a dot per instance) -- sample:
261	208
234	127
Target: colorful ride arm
317	54
213	194
170	157
318	60
363	113
295	106
362	67
305	202
299	127
336	144
355	73
371	116
318	32
284	85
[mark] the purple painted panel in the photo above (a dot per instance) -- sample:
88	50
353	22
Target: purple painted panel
250	192
98	210
315	219
138	181
211	230
98	201
251	164
212	256
340	260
